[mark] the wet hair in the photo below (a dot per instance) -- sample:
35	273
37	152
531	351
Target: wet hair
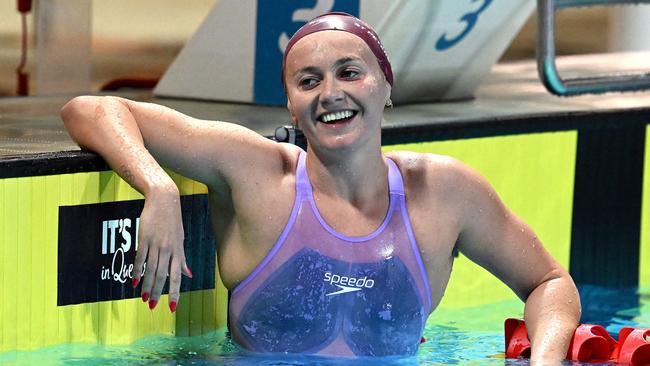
347	23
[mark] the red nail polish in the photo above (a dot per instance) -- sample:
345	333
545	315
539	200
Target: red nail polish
145	296
135	282
152	304
189	271
172	306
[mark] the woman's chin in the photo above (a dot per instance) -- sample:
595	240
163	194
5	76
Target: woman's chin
349	142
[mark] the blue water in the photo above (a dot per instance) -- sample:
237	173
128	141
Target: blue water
468	336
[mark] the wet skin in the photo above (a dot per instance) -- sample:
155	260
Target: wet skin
251	183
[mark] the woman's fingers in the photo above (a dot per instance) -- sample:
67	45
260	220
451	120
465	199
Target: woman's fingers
153	282
138	264
160	278
174	283
150	273
186	270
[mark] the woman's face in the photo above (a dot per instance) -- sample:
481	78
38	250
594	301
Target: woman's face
336	90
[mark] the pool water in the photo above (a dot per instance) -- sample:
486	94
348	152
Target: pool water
467	336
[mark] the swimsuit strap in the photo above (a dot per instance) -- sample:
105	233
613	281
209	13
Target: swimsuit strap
302	180
395	182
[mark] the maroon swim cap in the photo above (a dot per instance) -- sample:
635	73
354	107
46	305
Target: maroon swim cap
347	23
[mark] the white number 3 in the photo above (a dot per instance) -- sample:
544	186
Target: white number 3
305	15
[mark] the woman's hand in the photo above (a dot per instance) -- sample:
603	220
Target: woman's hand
136	139
161	244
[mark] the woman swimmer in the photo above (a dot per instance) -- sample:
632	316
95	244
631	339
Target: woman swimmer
348	250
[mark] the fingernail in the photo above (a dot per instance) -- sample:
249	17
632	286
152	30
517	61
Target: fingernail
189	271
152	303
145	296
172	306
135	282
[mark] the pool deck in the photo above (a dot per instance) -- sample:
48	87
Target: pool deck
510	97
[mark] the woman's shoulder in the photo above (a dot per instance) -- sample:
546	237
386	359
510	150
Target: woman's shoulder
426	165
433	173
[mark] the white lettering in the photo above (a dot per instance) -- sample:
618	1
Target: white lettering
304	15
105	273
137	232
104	237
126	235
121	272
360	282
112	225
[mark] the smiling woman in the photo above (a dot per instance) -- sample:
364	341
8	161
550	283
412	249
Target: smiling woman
335	85
344	250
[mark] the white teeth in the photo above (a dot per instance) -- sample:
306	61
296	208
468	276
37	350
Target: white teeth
335	116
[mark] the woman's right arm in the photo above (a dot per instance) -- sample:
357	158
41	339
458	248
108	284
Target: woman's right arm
136	139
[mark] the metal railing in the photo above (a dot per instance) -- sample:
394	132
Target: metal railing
546	66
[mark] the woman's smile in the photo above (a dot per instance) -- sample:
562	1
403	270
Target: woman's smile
338	119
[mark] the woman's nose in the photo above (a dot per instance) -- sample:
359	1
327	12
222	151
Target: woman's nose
331	92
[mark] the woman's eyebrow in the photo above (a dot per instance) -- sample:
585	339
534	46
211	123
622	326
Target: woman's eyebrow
345	60
307	70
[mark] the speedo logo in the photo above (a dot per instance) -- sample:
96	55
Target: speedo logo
346	283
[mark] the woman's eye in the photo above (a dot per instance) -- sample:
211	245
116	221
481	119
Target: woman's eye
308	83
349	74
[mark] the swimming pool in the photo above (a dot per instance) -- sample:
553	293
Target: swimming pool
49	309
471	335
533	148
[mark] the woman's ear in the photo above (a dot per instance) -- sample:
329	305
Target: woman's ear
389	89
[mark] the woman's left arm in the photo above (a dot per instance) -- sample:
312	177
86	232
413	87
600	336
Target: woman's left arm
495	238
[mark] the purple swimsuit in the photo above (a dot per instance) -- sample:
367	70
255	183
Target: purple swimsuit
320	292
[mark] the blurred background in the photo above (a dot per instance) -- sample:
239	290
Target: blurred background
141	38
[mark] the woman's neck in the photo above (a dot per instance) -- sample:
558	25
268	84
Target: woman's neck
357	177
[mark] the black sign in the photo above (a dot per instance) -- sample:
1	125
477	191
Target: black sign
97	245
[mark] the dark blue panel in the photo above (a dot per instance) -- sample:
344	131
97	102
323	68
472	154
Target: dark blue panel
606	228
290	312
386	319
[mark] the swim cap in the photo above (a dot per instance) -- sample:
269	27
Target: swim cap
347	23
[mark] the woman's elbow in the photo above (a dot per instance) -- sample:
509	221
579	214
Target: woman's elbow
77	109
80	114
